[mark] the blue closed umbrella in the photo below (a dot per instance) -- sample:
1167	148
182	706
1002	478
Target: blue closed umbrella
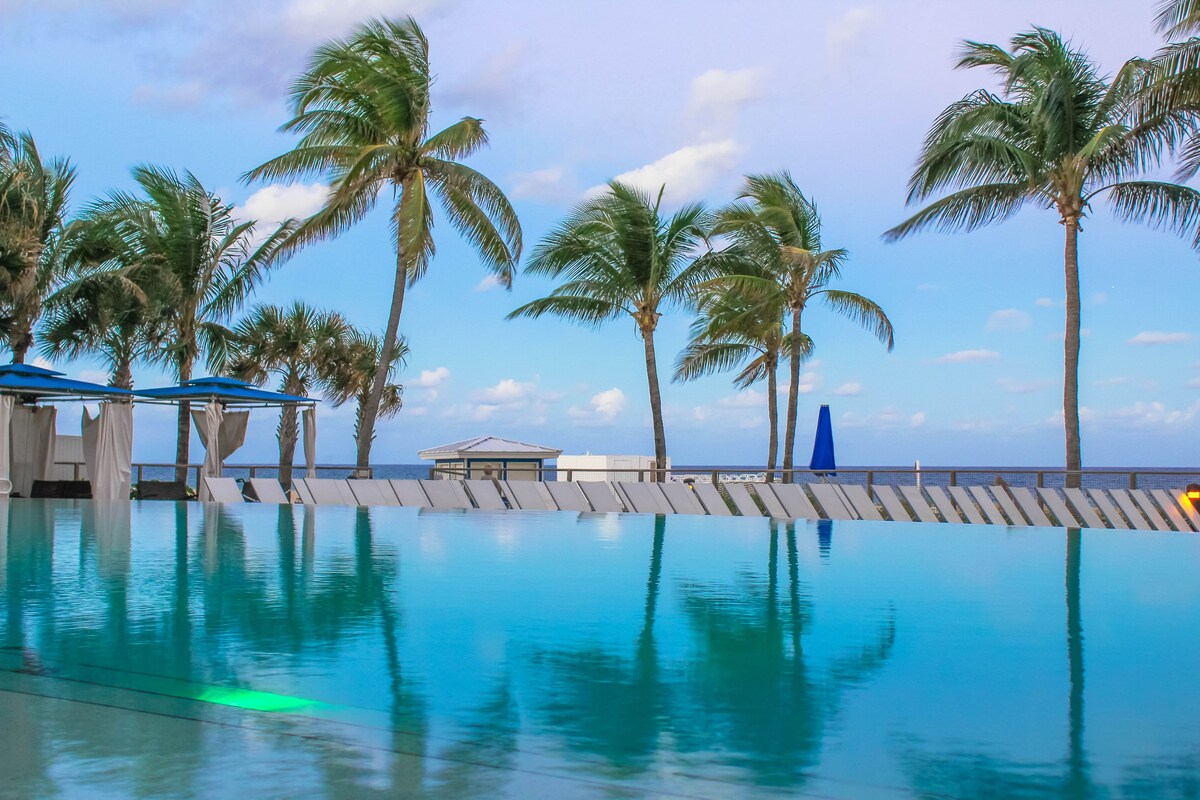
822	456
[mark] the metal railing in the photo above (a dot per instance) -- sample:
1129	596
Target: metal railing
869	476
166	471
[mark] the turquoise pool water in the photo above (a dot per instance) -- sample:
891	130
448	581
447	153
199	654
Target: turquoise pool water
175	651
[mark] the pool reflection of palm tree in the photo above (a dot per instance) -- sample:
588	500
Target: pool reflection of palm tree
748	692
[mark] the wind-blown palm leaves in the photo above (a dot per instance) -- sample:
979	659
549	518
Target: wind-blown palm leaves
1059	135
352	376
617	255
744	332
299	345
780	229
209	262
1168	105
362	111
33	205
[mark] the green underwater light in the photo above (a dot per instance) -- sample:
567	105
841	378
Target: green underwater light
251	700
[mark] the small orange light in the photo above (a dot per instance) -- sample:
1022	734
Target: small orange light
1193	492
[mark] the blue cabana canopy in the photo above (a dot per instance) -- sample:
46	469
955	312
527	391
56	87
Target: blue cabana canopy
227	391
822	456
26	380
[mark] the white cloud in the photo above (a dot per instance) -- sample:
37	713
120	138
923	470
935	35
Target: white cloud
968	357
1013	386
506	392
687	173
852	389
1045	302
719	95
279	202
917	420
744	399
1009	320
548	185
94	376
323	18
843	33
1160	337
808	382
609	403
488	283
431	378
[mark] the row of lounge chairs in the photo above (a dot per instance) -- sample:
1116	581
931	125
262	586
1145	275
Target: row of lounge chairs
1127	509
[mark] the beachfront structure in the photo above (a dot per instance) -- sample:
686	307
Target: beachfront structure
28	421
588	467
223	431
491	457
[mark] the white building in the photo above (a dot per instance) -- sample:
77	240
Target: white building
590	467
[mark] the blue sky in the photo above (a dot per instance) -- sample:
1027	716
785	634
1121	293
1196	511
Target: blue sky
693	94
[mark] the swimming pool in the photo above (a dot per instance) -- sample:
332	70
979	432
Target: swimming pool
175	650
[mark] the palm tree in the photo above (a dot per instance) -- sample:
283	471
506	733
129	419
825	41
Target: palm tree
362	110
1059	135
298	344
1169	103
112	313
353	375
33	205
735	330
209	262
780	227
618	256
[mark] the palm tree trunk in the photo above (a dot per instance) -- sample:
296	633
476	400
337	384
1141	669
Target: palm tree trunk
28	306
123	375
1071	355
660	435
772	419
184	426
789	437
1077	757
287	444
366	427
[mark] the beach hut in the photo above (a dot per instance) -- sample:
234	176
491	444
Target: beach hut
222	430
27	431
491	457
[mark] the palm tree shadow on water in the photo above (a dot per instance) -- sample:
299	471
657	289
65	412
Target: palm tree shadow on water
748	695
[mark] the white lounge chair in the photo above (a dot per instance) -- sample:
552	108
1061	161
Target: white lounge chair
568	496
793	498
373	493
1010	507
682	499
1110	511
917	502
268	490
644	498
601	496
711	499
987	504
301	487
529	495
331	492
1058	507
1029	504
1142	501
861	502
943	503
742	500
770	501
486	495
410	493
830	500
446	494
966	505
1172	508
1083	509
1130	509
891	504
224	490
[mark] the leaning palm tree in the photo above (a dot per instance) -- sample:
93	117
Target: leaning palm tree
352	376
619	256
362	111
299	345
210	262
780	228
739	331
1058	135
33	206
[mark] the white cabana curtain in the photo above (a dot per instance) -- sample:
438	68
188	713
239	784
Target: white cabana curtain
6	409
108	450
310	442
31	446
221	434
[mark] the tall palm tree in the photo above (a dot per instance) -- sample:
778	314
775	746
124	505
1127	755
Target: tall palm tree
362	111
781	228
33	205
299	345
113	313
735	330
209	260
1058	135
352	377
618	256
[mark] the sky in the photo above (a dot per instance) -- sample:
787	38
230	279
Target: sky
693	95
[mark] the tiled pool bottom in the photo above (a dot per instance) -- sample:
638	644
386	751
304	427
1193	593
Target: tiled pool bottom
175	651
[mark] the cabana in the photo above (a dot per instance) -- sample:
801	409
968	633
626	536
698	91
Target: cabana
222	431
27	431
492	457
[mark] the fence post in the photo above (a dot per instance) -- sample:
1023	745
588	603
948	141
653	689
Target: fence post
1041	479
1133	480
953	478
641	475
716	477
870	479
